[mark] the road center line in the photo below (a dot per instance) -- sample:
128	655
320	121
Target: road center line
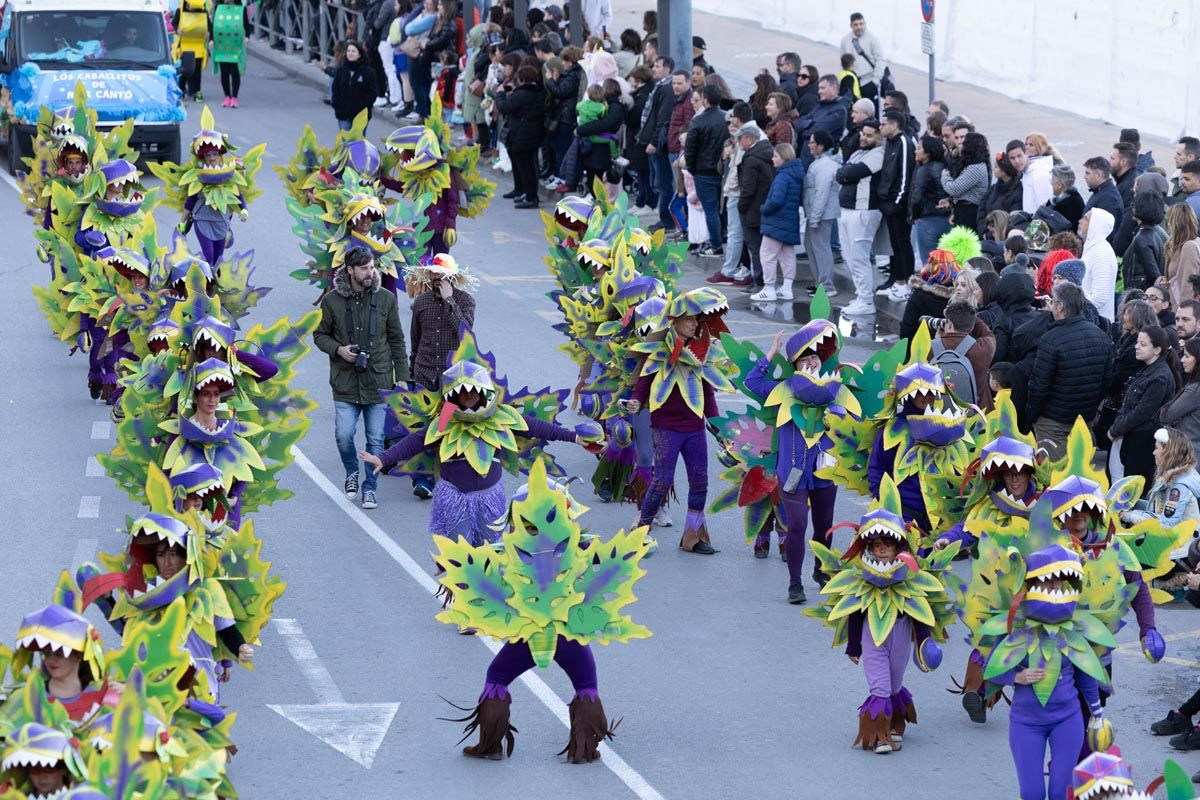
619	767
101	429
93	468
89	507
85	550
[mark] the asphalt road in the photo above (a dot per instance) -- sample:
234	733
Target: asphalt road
736	692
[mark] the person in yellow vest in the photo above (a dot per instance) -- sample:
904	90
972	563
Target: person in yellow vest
848	79
191	46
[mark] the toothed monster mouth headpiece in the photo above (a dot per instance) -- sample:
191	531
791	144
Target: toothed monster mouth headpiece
1043	603
919	378
163	333
125	176
64	123
1102	773
572	214
212	331
941	423
367	206
466	375
1077	494
125	261
1003	454
201	479
595	255
416	148
213	372
640	241
360	156
73	145
818	337
883	520
57	629
707	303
36	745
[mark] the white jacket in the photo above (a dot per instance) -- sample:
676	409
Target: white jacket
1035	184
1100	279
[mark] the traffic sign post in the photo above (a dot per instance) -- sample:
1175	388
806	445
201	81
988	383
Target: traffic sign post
927	7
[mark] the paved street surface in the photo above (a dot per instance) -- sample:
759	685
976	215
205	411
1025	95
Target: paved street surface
736	692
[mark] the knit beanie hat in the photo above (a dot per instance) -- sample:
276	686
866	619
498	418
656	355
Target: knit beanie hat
1045	274
941	269
1071	269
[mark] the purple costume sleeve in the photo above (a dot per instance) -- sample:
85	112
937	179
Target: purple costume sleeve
641	390
404	449
1143	606
878	464
264	368
548	431
1090	690
959	533
757	380
854	628
190	203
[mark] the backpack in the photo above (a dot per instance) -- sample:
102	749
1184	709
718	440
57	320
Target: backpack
956	368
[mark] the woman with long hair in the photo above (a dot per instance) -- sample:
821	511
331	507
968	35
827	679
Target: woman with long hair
1003	195
1172	499
1181	253
764	86
965	179
1155	384
442	36
1037	145
1183	413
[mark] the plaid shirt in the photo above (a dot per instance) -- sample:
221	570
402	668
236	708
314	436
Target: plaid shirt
435	326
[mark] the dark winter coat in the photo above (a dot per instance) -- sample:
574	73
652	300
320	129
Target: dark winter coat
1152	387
1070	205
354	88
927	191
828	115
1072	371
849	142
662	100
599	157
1125	366
441	37
781	210
387	363
681	116
1001	196
706	142
790	85
926	300
525	108
806	100
755	175
635	150
1143	261
1014	295
1125	185
895	178
564	95
1108	198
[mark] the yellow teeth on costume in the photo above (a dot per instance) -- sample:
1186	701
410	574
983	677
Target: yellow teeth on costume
1064	570
26	758
879	529
35	641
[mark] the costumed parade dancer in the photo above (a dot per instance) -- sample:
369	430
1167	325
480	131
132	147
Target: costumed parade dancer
229	26
209	188
882	598
191	46
678	383
420	160
467	433
548	595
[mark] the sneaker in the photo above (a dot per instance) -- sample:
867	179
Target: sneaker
972	703
651	546
422	491
662	519
380	102
562	188
741	273
116	413
796	594
369	501
859	307
831	292
784	293
225	102
1172	724
351	485
412	116
896	737
883	748
233	102
884	289
742	282
1188	740
719	277
765	296
708	251
900	294
399	109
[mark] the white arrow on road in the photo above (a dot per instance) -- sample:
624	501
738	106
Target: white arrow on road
356	730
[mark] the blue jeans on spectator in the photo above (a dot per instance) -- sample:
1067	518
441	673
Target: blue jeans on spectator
735	241
646	194
708	189
925	234
345	426
664	184
345	124
421	77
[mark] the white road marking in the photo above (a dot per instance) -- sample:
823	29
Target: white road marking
85	550
509	293
89	506
619	767
101	429
93	469
10	180
354	729
483	276
552	317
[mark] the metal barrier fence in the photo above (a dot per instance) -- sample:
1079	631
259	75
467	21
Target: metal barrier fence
310	27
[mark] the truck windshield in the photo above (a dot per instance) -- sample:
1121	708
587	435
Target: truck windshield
91	39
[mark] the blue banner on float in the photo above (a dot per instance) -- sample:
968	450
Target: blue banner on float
115	95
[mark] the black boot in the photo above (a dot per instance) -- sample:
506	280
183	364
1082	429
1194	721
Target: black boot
796	593
1172	724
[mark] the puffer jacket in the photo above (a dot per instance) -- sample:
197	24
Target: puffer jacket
1173	499
820	190
1148	391
388	361
1072	370
927	191
525	109
564	93
1014	295
755	175
781	210
1142	264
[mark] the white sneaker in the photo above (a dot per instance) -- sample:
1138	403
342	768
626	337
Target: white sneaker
900	294
831	292
621	161
396	109
662	519
740	274
858	306
380	102
784	293
412	116
766	295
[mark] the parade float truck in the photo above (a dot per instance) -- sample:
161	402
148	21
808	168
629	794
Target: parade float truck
118	49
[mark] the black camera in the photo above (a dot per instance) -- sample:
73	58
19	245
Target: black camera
936	323
361	357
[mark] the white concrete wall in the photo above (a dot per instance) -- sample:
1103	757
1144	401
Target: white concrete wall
1128	64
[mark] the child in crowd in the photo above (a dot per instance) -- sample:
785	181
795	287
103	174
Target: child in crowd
1000	376
848	80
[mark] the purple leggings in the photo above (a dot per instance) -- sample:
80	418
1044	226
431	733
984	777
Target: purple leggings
211	249
796	508
884	664
669	445
514	660
1027	739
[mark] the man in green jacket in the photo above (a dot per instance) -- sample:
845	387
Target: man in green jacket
360	331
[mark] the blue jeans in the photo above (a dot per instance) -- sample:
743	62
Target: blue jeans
736	240
925	234
708	189
345	426
344	124
664	184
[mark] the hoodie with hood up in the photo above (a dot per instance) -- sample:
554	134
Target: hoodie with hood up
1100	279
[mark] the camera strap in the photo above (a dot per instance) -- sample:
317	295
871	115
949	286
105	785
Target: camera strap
371	319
